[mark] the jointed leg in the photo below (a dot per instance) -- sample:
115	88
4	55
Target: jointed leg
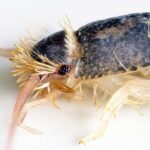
137	88
24	112
79	86
95	94
53	96
29	106
134	102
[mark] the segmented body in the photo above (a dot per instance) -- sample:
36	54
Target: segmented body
112	55
106	47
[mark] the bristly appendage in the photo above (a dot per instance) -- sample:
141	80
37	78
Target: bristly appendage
72	45
24	66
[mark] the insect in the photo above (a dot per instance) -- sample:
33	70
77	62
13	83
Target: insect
107	60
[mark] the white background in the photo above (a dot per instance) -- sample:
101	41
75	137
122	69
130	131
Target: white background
62	128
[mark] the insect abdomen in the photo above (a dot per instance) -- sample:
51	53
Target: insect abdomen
114	45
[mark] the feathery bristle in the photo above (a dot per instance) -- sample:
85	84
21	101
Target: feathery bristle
24	66
72	44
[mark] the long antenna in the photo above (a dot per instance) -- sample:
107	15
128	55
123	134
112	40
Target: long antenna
5	52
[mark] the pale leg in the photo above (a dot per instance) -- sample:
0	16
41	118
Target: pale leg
29	106
137	88
53	96
24	112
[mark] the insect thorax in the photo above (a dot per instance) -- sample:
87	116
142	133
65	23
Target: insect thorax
107	47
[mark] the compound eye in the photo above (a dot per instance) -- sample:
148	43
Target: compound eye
64	69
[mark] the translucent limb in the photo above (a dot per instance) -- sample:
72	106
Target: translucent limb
94	99
137	88
79	86
29	106
24	112
33	104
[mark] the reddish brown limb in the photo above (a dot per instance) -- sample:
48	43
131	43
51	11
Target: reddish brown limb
62	87
21	100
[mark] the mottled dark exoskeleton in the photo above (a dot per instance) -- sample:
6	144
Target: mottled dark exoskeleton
107	46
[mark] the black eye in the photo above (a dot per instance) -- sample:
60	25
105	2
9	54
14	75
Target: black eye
63	70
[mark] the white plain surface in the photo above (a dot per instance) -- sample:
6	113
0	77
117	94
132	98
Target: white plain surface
64	127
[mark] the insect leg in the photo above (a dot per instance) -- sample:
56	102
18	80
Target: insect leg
24	112
95	94
138	99
138	88
29	106
53	96
79	86
134	102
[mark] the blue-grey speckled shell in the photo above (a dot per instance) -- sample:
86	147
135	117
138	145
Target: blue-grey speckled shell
107	46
